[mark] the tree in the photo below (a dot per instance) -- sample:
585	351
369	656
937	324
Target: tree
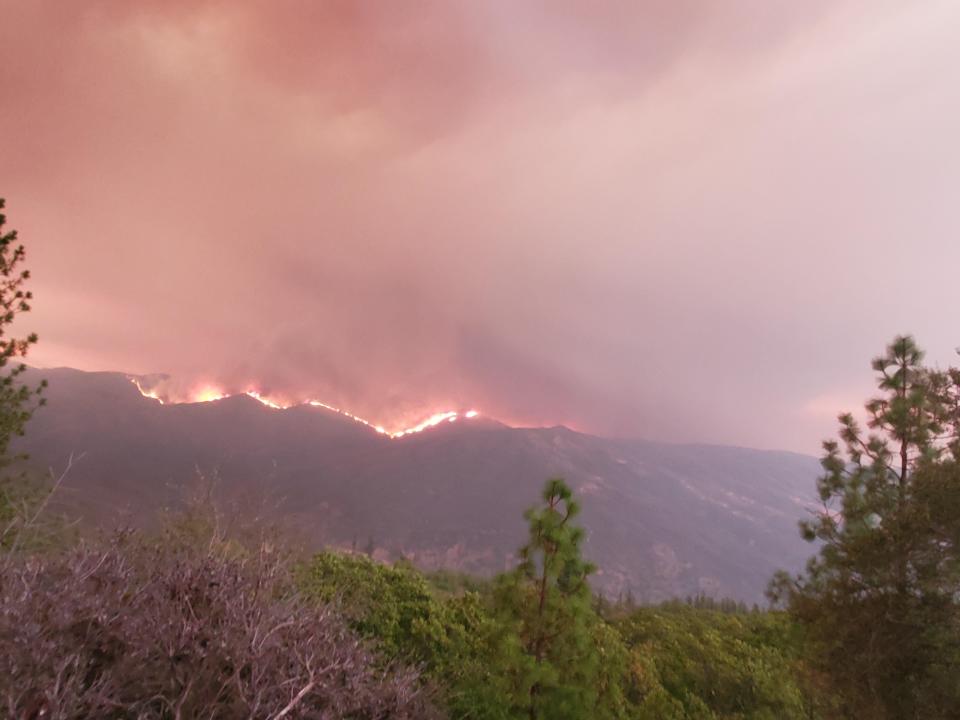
879	601
16	398
19	499
546	601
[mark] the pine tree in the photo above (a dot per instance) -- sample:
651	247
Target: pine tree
18	499
879	602
547	600
17	400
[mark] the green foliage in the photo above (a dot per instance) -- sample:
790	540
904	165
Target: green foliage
455	639
705	602
447	583
690	663
879	602
392	604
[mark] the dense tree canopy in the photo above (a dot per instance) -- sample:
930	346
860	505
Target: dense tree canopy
693	664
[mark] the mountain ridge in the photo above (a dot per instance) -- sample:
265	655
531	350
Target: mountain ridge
661	519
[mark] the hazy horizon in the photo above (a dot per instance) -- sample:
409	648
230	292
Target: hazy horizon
680	221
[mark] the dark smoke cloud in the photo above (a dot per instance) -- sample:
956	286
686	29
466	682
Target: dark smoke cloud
681	220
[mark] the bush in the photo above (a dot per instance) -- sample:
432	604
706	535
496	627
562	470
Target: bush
454	638
133	631
394	605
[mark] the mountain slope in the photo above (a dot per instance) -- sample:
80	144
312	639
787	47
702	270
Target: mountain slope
662	520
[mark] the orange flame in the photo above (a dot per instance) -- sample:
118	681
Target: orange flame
209	393
152	394
265	400
317	403
428	423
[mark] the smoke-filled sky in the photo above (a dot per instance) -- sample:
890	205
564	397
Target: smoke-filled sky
674	219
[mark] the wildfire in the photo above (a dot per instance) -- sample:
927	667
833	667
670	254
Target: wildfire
265	400
378	428
209	393
152	394
431	421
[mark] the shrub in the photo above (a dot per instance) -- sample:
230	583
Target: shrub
136	631
455	638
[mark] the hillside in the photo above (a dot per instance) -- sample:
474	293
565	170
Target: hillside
662	519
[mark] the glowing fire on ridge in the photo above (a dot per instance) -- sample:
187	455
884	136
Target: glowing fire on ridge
152	394
209	393
265	400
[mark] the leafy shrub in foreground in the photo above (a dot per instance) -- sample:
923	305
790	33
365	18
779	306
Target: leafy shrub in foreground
455	639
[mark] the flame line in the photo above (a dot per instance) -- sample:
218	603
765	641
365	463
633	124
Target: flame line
209	393
146	393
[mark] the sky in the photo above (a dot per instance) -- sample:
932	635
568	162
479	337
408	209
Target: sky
680	220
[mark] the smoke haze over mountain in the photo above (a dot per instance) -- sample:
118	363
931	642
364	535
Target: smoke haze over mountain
677	220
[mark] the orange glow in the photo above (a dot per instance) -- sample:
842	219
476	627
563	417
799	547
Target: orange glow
429	422
265	400
378	428
432	421
208	393
152	394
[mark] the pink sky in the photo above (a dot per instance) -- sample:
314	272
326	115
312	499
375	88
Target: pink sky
691	221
